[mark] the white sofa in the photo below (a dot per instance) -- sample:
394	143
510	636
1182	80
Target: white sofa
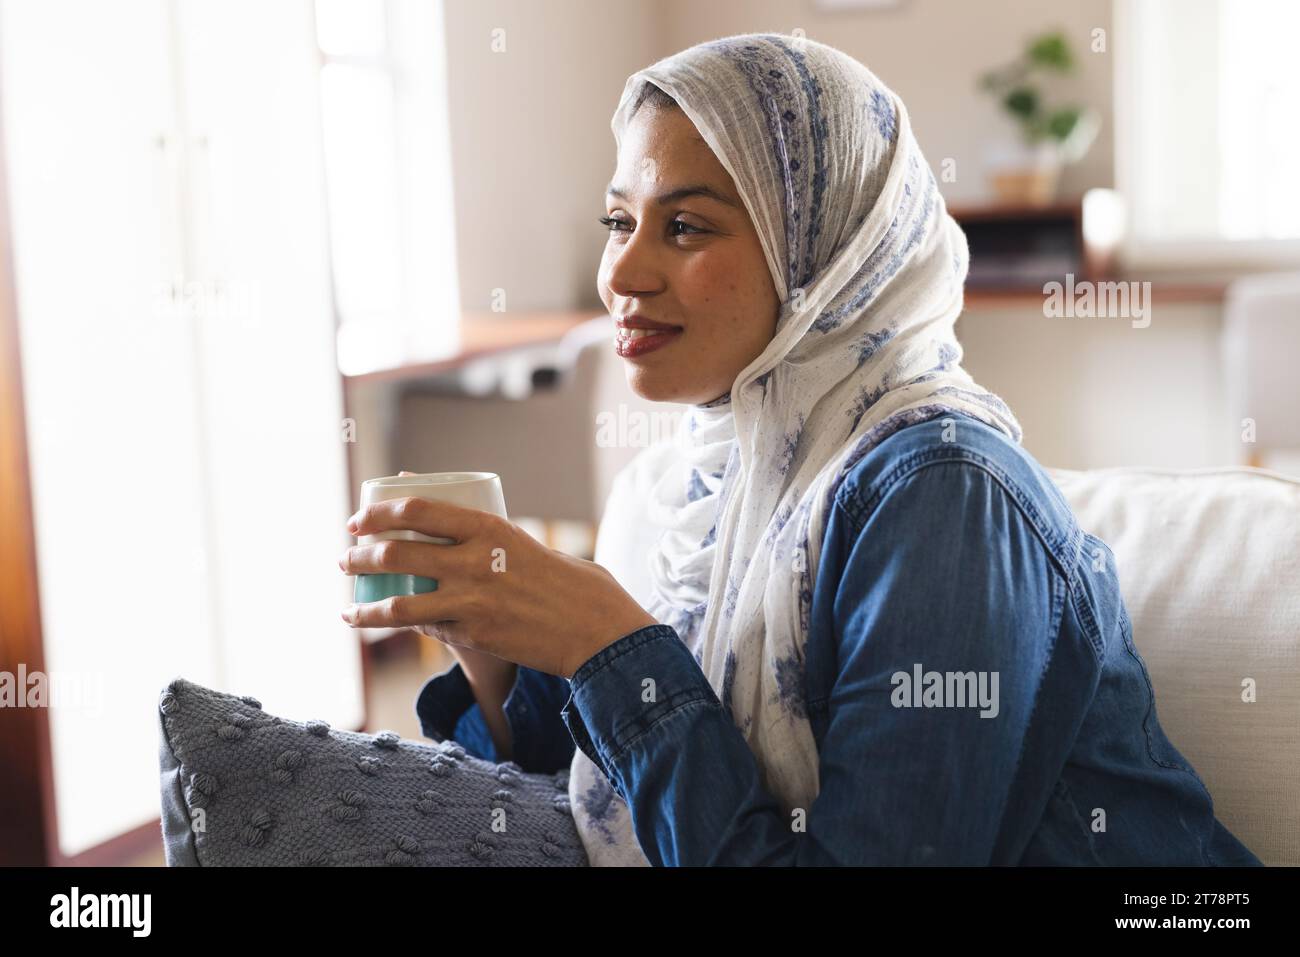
1209	566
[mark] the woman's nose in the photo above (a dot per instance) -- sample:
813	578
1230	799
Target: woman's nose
633	269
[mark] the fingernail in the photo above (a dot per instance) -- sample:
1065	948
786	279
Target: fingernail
349	613
352	524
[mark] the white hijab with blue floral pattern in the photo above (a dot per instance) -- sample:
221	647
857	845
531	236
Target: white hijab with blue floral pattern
869	268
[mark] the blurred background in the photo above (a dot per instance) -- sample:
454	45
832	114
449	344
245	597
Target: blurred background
254	253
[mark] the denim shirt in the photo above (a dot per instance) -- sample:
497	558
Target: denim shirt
948	550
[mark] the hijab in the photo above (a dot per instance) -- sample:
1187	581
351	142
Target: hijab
869	269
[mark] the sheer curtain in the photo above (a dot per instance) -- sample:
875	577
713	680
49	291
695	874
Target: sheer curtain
183	401
1207	96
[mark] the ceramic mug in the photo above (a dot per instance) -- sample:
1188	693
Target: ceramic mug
479	490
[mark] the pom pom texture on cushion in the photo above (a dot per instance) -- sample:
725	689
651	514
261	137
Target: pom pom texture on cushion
241	787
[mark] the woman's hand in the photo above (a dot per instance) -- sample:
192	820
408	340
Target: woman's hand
489	677
500	591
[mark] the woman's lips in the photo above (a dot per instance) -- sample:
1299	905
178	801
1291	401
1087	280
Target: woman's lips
630	348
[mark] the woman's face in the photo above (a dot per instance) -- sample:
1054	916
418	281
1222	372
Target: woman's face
682	250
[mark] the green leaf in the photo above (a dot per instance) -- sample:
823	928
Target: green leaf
1021	102
1051	52
1062	122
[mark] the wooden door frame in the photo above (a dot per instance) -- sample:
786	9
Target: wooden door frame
28	829
29	834
28	812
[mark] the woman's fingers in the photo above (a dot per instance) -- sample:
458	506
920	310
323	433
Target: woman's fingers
436	519
450	633
400	558
403	611
434	612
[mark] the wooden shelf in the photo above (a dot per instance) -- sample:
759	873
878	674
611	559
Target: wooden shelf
484	334
1046	235
992	212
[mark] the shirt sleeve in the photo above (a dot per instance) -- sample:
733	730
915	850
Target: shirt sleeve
540	742
946	574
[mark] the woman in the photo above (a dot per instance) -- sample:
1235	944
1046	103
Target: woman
875	632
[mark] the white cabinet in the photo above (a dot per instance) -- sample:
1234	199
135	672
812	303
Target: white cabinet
177	340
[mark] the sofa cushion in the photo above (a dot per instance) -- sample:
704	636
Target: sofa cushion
242	787
1209	567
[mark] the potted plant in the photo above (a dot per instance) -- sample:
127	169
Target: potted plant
1029	172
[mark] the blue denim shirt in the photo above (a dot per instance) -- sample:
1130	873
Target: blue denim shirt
948	552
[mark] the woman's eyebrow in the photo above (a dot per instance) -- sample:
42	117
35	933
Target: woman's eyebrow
697	189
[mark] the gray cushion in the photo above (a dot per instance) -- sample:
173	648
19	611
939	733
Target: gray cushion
241	787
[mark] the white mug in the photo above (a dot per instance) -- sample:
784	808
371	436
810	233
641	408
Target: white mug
478	490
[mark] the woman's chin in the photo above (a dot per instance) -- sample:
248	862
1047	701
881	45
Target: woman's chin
658	388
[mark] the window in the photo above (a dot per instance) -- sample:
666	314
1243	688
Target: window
1207	97
388	176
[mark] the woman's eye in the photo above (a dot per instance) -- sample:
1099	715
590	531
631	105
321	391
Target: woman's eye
692	229
676	228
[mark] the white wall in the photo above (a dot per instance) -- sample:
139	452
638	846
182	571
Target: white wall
532	149
1094	393
532	152
931	53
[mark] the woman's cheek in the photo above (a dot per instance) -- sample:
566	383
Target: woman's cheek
709	282
602	278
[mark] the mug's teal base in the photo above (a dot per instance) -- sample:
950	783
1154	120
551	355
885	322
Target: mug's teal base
379	587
